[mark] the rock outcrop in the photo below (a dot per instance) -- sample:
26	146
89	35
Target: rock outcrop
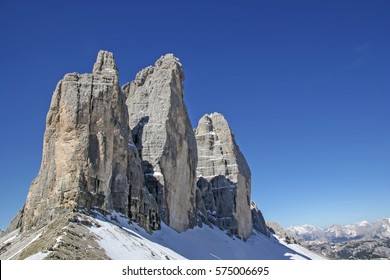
258	220
225	177
87	157
16	222
133	150
165	140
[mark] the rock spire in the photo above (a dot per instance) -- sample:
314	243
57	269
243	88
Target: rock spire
165	139
225	177
86	159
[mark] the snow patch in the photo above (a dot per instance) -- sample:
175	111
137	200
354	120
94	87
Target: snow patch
10	239
38	256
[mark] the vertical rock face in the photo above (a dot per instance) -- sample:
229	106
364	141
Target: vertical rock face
225	182
88	158
165	140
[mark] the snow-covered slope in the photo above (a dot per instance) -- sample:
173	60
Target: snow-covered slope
18	242
111	236
122	240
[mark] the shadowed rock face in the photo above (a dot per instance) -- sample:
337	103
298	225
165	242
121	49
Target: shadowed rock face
87	157
222	165
259	223
165	140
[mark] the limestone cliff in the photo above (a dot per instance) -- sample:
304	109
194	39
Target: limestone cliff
225	177
165	140
133	150
86	158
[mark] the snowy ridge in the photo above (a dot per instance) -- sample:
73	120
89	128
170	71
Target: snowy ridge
337	233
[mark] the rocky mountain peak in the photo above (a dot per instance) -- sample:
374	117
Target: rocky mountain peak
215	129
133	150
105	62
224	177
86	160
165	140
168	61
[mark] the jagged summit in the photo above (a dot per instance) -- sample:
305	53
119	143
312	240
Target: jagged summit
225	174
222	145
105	62
86	161
167	60
165	65
165	139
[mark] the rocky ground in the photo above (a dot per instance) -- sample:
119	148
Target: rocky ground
58	240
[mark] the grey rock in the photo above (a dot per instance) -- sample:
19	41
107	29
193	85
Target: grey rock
86	158
283	234
221	163
105	63
16	222
225	194
258	220
363	249
200	209
206	191
165	140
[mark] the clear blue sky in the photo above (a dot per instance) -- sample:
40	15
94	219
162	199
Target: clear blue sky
305	85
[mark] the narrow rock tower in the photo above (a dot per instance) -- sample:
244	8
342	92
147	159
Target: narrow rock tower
165	139
225	177
86	157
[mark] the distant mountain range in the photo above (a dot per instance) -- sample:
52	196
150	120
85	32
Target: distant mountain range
338	233
362	240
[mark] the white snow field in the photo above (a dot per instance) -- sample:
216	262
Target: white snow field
122	240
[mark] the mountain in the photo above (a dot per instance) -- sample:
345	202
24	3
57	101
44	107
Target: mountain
86	159
362	240
358	249
224	175
337	233
165	141
121	160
